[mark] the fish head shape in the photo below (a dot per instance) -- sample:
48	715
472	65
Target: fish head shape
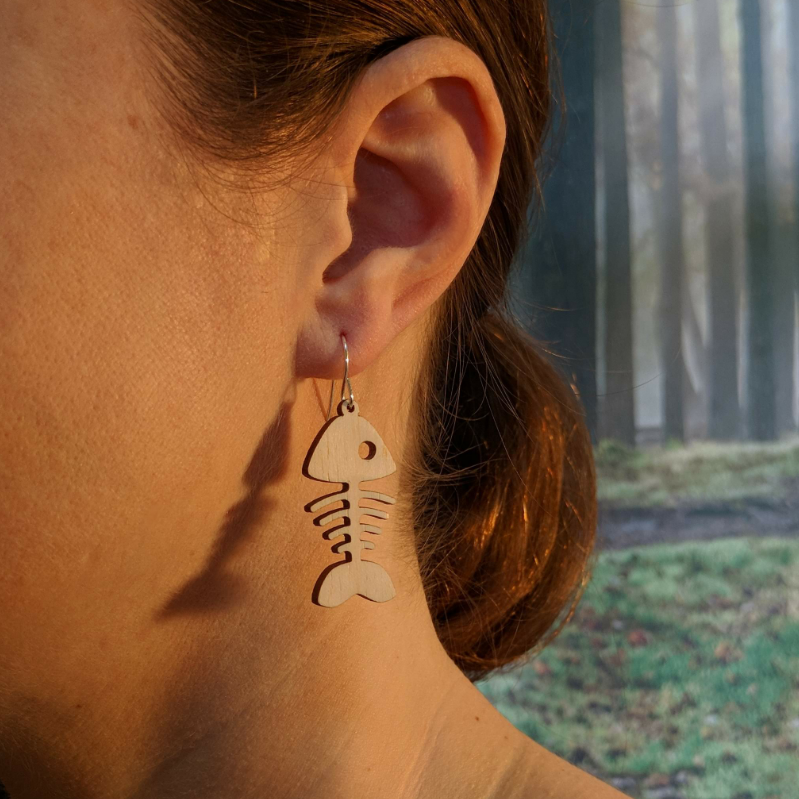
349	450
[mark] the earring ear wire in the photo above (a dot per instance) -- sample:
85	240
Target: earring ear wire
345	381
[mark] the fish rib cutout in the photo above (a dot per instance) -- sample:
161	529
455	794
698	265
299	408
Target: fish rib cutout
334	457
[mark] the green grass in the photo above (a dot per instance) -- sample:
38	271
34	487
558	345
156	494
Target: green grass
700	471
680	668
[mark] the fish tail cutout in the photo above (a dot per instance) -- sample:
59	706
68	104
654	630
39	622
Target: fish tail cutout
347	578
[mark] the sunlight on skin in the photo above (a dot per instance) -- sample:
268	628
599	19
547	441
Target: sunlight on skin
158	635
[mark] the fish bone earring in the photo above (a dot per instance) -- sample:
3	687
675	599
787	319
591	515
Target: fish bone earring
348	450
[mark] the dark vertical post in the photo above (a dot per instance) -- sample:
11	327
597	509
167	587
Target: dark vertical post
759	261
784	227
670	229
619	399
562	253
724	406
793	54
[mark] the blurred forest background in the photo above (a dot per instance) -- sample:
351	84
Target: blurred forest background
661	275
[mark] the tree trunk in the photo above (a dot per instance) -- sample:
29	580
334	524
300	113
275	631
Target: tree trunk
793	47
723	404
783	252
619	399
761	411
562	253
670	229
788	277
784	330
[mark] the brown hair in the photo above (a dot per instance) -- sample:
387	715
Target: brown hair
503	497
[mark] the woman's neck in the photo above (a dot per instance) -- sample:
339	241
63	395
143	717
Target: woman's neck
367	705
225	678
356	701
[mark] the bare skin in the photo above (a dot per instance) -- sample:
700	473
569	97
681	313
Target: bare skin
163	370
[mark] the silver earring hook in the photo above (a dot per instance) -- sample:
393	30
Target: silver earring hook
344	382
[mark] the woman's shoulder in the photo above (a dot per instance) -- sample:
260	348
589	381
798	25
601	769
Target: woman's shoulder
496	760
541	774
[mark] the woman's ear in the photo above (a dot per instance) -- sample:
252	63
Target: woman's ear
419	146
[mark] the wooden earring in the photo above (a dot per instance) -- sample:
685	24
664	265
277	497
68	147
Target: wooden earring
348	450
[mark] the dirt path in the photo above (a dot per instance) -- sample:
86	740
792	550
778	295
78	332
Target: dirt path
756	516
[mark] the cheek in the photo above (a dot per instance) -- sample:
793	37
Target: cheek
140	363
144	345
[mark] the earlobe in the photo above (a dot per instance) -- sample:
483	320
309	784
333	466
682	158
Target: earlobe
420	144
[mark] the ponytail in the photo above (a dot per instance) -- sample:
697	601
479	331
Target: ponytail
505	507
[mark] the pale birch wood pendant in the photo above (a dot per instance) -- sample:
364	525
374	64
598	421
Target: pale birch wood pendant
348	450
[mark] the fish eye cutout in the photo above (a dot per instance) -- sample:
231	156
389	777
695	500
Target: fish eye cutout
367	450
